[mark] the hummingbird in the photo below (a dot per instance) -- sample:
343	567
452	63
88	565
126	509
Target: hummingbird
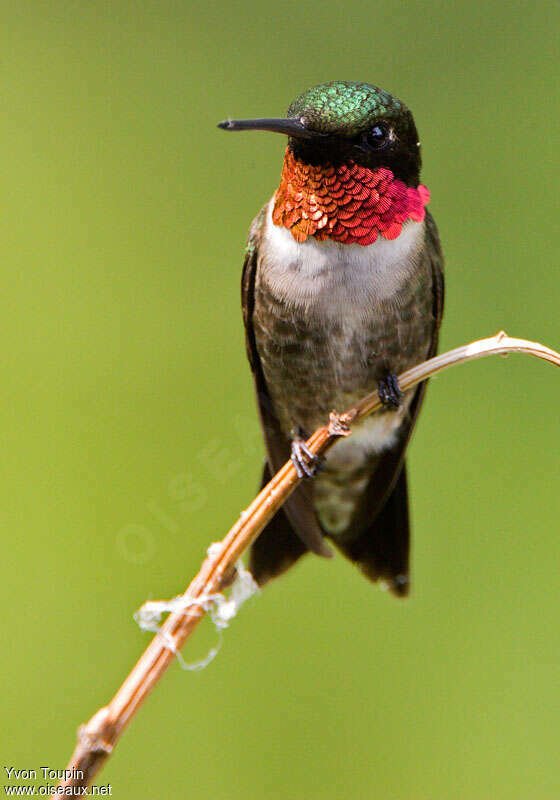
342	290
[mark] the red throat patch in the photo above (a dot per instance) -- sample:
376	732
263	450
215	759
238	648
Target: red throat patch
347	203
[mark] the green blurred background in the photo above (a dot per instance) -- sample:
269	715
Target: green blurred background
129	438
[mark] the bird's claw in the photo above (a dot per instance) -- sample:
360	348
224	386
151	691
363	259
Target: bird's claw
306	463
390	393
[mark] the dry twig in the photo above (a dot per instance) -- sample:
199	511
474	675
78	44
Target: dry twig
97	739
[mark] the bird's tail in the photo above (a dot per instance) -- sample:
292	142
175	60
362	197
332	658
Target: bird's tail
381	550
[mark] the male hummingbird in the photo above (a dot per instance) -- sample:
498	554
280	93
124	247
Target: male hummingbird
342	290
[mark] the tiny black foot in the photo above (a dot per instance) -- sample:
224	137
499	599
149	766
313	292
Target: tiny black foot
306	463
390	392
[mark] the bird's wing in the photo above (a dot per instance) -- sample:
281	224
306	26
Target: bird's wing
438	283
299	506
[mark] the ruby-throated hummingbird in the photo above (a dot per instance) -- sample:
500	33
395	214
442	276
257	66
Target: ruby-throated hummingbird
342	290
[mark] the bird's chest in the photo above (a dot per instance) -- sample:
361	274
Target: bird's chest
331	319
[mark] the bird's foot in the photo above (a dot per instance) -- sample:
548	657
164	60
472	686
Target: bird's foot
390	393
307	464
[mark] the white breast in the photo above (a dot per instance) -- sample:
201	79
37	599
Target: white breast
333	277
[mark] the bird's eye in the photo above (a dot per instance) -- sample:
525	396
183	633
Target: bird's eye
379	136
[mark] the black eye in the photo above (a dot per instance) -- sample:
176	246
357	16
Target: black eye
378	136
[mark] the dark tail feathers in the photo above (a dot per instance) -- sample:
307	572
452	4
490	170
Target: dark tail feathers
381	550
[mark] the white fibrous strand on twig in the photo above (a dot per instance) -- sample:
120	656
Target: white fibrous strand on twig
222	610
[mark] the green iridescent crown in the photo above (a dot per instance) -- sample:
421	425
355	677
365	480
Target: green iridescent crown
344	107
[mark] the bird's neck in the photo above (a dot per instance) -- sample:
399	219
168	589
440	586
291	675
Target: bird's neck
348	203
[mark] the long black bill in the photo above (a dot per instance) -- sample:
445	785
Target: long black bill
291	127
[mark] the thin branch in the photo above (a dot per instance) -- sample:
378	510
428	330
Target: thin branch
98	737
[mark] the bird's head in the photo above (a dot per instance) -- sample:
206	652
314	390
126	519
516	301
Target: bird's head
346	121
352	164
